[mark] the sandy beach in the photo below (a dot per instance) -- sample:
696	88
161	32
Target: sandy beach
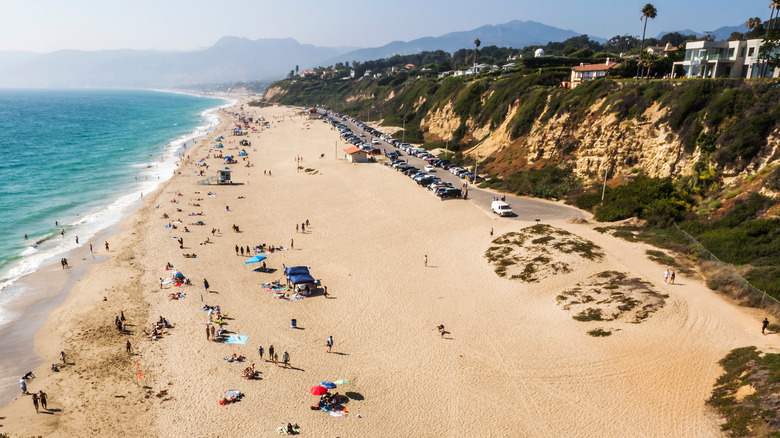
512	362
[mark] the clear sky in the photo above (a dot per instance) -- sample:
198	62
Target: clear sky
49	25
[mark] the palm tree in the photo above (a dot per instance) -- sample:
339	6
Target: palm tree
648	13
296	70
774	5
752	23
477	43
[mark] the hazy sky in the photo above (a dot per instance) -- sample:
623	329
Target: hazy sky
48	25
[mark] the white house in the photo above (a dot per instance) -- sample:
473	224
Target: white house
722	59
661	50
586	72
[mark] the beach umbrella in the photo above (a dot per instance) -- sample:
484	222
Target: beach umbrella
256	259
329	385
318	390
342	382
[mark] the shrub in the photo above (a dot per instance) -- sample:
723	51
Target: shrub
550	182
653	199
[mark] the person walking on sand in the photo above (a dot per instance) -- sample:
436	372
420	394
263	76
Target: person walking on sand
206	285
106	245
666	277
236	249
764	326
127	346
441	330
292	243
276	359
35	402
329	343
296	228
161	283
62	357
671	277
491	232
426	260
23	385
271	353
241	249
260	351
42	398
208	333
213	333
286	359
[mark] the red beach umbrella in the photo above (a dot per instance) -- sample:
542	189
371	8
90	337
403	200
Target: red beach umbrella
318	390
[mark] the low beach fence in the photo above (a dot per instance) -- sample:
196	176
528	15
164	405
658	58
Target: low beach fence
762	297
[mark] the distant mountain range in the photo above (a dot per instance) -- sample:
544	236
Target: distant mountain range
239	59
721	33
516	34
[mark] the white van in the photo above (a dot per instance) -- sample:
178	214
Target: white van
501	208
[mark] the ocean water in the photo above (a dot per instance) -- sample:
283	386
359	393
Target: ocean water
76	160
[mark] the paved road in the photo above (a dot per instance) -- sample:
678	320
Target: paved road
526	209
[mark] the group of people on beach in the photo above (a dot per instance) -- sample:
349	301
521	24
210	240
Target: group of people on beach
669	277
273	356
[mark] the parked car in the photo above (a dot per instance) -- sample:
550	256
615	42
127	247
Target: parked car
501	208
429	168
449	193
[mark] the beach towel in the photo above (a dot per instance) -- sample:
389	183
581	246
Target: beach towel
236	339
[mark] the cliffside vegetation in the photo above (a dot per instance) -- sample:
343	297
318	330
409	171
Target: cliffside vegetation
701	153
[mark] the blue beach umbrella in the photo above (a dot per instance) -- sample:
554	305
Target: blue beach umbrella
255	259
329	385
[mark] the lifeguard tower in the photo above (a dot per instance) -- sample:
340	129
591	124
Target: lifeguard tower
222	177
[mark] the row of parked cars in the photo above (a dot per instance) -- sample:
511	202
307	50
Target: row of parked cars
423	178
434	161
358	140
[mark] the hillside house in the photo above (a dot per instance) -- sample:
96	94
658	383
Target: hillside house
587	72
662	50
722	59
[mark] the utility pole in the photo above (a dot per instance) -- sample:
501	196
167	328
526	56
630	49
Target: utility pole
476	164
604	189
403	133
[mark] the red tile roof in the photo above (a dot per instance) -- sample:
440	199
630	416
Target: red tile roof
596	67
353	149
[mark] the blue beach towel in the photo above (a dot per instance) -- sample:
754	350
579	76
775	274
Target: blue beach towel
236	339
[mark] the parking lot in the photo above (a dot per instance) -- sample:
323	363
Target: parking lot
526	209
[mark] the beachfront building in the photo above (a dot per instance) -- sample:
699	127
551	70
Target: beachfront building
587	72
356	155
722	59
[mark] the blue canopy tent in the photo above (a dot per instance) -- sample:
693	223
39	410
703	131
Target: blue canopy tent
256	259
296	270
301	279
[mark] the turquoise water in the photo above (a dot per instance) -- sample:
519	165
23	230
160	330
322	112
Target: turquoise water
80	158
